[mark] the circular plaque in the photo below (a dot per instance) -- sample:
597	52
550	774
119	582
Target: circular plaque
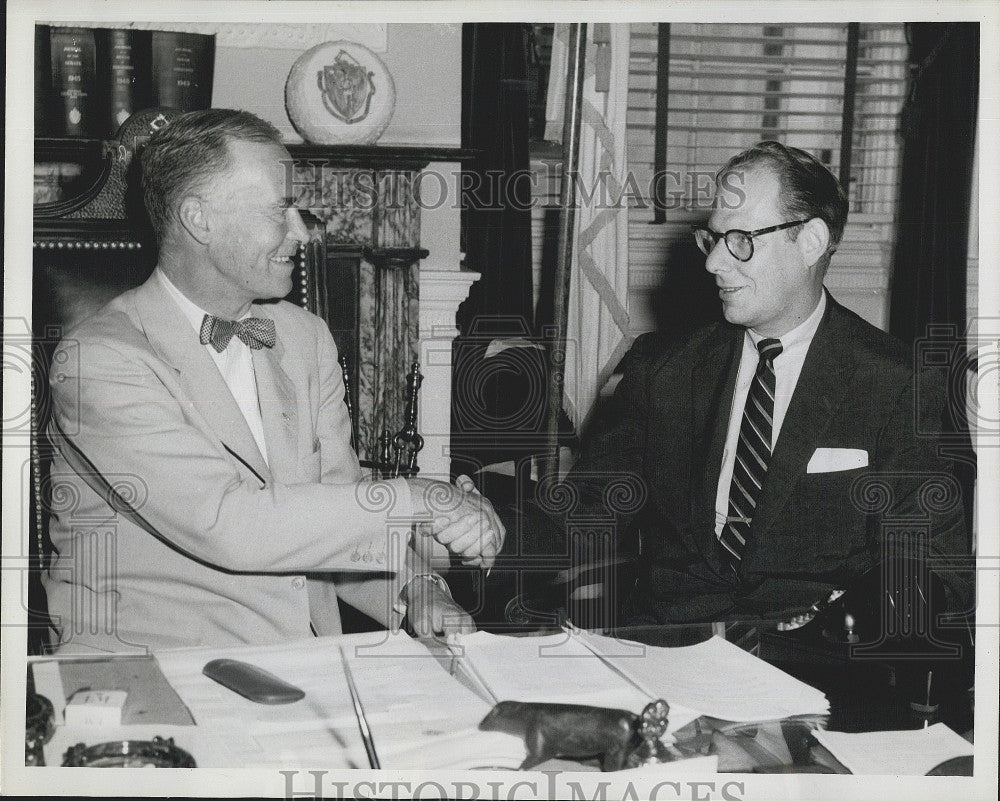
155	753
340	93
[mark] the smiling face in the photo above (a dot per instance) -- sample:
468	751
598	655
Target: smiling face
253	228
777	288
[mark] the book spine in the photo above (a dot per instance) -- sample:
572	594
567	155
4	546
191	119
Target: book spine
182	65
123	59
74	82
43	80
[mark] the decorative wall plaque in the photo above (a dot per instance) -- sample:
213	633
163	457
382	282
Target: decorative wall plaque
340	93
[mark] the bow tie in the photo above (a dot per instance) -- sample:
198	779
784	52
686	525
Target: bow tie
254	332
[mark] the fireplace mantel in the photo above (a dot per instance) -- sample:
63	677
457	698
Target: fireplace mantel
391	262
379	157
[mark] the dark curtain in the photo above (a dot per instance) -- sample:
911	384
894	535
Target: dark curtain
498	402
496	216
928	300
939	125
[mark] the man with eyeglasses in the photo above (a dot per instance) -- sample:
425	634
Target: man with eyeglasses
771	448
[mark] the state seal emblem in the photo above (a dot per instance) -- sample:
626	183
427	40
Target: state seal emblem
347	88
340	93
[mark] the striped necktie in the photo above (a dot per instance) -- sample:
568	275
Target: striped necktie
752	454
254	332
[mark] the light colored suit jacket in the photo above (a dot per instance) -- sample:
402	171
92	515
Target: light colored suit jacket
168	526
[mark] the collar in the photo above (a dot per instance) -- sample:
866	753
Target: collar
802	334
192	311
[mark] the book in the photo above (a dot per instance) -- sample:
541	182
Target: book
43	79
183	65
124	69
74	83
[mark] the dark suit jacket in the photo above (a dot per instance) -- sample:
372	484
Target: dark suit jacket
662	443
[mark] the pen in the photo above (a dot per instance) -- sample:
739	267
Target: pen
930	675
471	670
359	713
575	631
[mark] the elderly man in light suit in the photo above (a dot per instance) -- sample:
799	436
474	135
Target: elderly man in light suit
205	491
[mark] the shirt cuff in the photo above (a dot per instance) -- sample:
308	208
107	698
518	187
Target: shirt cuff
402	507
400	606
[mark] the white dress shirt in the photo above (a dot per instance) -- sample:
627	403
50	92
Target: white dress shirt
235	363
787	367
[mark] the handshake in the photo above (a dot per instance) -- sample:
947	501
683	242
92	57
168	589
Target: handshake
458	517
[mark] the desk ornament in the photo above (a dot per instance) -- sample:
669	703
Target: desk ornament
340	93
619	738
155	753
39	725
252	682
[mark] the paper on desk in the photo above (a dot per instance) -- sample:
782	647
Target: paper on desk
557	668
693	766
715	678
413	707
897	753
421	717
150	698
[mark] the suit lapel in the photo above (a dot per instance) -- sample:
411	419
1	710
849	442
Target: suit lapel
276	394
174	339
713	383
820	390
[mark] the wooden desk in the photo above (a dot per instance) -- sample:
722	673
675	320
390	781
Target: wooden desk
412	728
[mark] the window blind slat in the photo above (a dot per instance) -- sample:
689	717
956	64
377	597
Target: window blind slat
640	92
733	84
777	76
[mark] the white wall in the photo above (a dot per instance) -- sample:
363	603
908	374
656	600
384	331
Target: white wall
425	62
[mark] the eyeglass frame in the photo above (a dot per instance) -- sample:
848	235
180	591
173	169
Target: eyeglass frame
716	236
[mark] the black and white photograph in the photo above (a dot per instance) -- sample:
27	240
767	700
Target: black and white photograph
501	400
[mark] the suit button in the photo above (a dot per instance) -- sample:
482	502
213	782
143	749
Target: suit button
298	582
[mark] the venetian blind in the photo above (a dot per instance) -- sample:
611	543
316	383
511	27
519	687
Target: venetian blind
732	85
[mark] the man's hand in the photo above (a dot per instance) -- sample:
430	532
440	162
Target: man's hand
431	611
460	518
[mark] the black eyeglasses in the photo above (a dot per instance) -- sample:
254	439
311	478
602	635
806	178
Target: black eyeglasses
739	243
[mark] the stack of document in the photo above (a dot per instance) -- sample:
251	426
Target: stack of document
895	753
714	678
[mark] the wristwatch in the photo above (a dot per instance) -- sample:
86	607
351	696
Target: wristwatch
401	606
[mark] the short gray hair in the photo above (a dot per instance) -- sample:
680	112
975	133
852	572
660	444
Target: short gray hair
189	150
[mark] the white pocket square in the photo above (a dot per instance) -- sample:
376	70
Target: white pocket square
830	460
